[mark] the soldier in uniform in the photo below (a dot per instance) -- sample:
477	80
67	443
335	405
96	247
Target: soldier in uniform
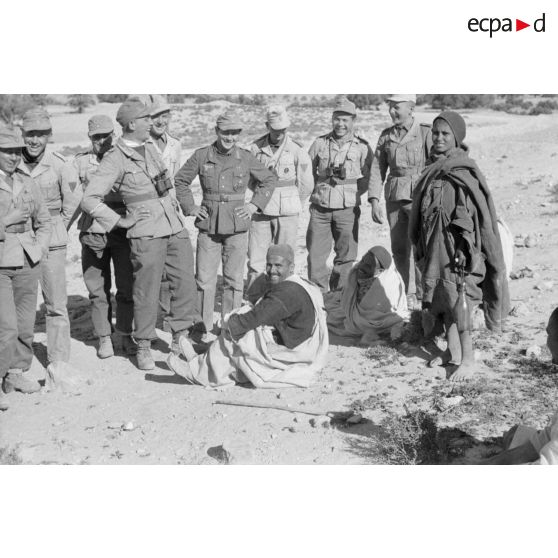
223	218
25	227
57	179
168	147
100	247
158	240
400	156
278	223
341	167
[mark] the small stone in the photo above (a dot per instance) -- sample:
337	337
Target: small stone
114	425
128	426
446	403
519	310
279	395
143	452
531	241
238	453
403	362
533	351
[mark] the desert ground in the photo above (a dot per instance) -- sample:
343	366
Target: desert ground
410	413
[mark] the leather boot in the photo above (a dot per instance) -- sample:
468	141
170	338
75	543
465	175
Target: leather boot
17	380
144	357
105	350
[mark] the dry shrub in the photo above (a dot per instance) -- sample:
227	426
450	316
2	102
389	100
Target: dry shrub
410	439
9	456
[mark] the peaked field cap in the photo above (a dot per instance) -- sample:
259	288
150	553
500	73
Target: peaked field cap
137	106
159	104
283	250
277	117
10	138
100	124
342	104
402	98
228	121
36	118
455	122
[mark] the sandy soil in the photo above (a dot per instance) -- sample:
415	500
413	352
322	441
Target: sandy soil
123	415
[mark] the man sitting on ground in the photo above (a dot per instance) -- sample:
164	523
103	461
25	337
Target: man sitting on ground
281	341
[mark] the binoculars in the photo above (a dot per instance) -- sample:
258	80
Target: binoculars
336	171
162	183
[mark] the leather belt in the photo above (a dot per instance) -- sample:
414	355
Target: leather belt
19	228
143	197
400	173
223	197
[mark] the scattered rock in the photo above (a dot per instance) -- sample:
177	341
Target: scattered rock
143	452
355	418
521	273
445	403
534	351
531	241
519	310
128	426
323	421
114	425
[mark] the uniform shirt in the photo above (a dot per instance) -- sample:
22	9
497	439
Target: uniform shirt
57	179
401	150
125	171
287	307
170	152
355	155
224	179
31	238
86	165
293	168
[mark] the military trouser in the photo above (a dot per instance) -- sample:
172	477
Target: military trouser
398	215
266	230
339	226
18	302
53	286
230	250
151	258
96	254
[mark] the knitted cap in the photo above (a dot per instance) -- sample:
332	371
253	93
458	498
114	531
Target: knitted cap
456	123
283	250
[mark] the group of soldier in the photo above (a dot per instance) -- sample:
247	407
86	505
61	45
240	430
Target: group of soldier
132	197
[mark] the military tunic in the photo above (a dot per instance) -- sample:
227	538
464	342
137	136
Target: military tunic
57	179
278	224
399	159
224	179
22	246
99	248
159	244
334	209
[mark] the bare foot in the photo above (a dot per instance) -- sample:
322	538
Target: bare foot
463	373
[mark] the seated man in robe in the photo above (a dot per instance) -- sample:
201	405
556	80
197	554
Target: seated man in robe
524	444
372	303
281	341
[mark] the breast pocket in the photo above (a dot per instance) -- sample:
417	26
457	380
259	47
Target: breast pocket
240	179
49	187
323	161
286	167
352	164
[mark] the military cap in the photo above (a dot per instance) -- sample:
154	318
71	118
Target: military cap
100	124
10	138
277	117
402	99
159	104
228	121
36	118
342	104
133	107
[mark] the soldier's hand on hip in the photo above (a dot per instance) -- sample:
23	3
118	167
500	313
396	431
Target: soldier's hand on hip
135	215
377	212
199	212
246	211
19	214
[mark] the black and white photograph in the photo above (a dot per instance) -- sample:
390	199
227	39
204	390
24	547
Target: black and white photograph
279	279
